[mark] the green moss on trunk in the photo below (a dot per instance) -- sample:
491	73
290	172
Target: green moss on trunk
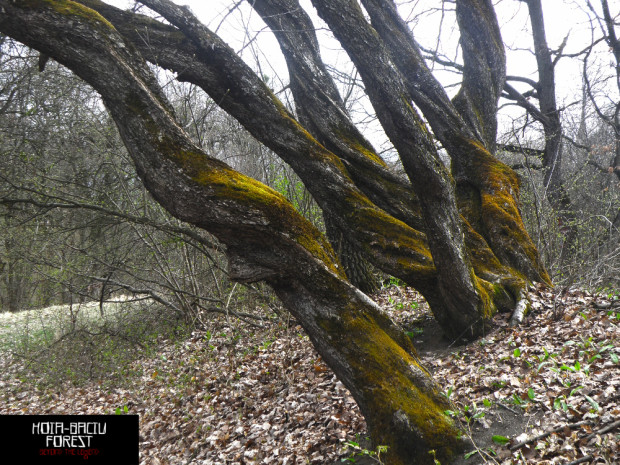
66	7
405	410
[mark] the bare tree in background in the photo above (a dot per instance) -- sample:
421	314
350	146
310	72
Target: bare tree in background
547	113
608	113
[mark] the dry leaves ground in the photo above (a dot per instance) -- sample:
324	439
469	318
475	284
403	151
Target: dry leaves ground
549	389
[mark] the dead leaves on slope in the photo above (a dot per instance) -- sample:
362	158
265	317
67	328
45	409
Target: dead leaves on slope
560	368
244	395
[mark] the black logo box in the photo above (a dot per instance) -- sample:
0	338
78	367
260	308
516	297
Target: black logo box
72	439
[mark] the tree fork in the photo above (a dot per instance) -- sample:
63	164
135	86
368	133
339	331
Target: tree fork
464	301
486	189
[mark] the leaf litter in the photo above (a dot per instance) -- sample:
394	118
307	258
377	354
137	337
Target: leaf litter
545	392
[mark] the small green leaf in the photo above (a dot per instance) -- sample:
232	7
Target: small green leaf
593	403
595	357
517	352
531	394
503	440
572	393
471	454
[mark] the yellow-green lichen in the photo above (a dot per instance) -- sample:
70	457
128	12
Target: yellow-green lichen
226	184
499	214
394	239
409	392
351	139
221	182
313	147
67	7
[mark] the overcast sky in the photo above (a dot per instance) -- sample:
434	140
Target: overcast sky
561	16
245	32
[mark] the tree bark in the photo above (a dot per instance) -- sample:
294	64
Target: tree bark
320	109
358	270
461	303
266	238
486	190
223	75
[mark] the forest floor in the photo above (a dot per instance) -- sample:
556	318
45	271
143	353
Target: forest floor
545	392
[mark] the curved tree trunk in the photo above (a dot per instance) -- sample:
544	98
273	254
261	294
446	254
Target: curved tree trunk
486	190
266	239
229	81
457	237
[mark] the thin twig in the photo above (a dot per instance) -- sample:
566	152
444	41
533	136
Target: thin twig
587	458
549	433
605	429
508	408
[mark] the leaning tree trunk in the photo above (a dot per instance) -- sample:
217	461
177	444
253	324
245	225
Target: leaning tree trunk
384	218
487	191
266	238
457	237
320	107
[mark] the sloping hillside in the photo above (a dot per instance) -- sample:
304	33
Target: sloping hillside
546	392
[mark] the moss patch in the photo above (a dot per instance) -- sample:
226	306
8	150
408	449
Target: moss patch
406	410
499	218
66	7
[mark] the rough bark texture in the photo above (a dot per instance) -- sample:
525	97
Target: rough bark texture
463	301
457	237
322	112
486	190
359	271
226	78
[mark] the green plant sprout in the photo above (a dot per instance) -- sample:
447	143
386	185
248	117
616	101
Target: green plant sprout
358	451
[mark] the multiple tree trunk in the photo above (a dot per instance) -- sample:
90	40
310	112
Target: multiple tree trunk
456	235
